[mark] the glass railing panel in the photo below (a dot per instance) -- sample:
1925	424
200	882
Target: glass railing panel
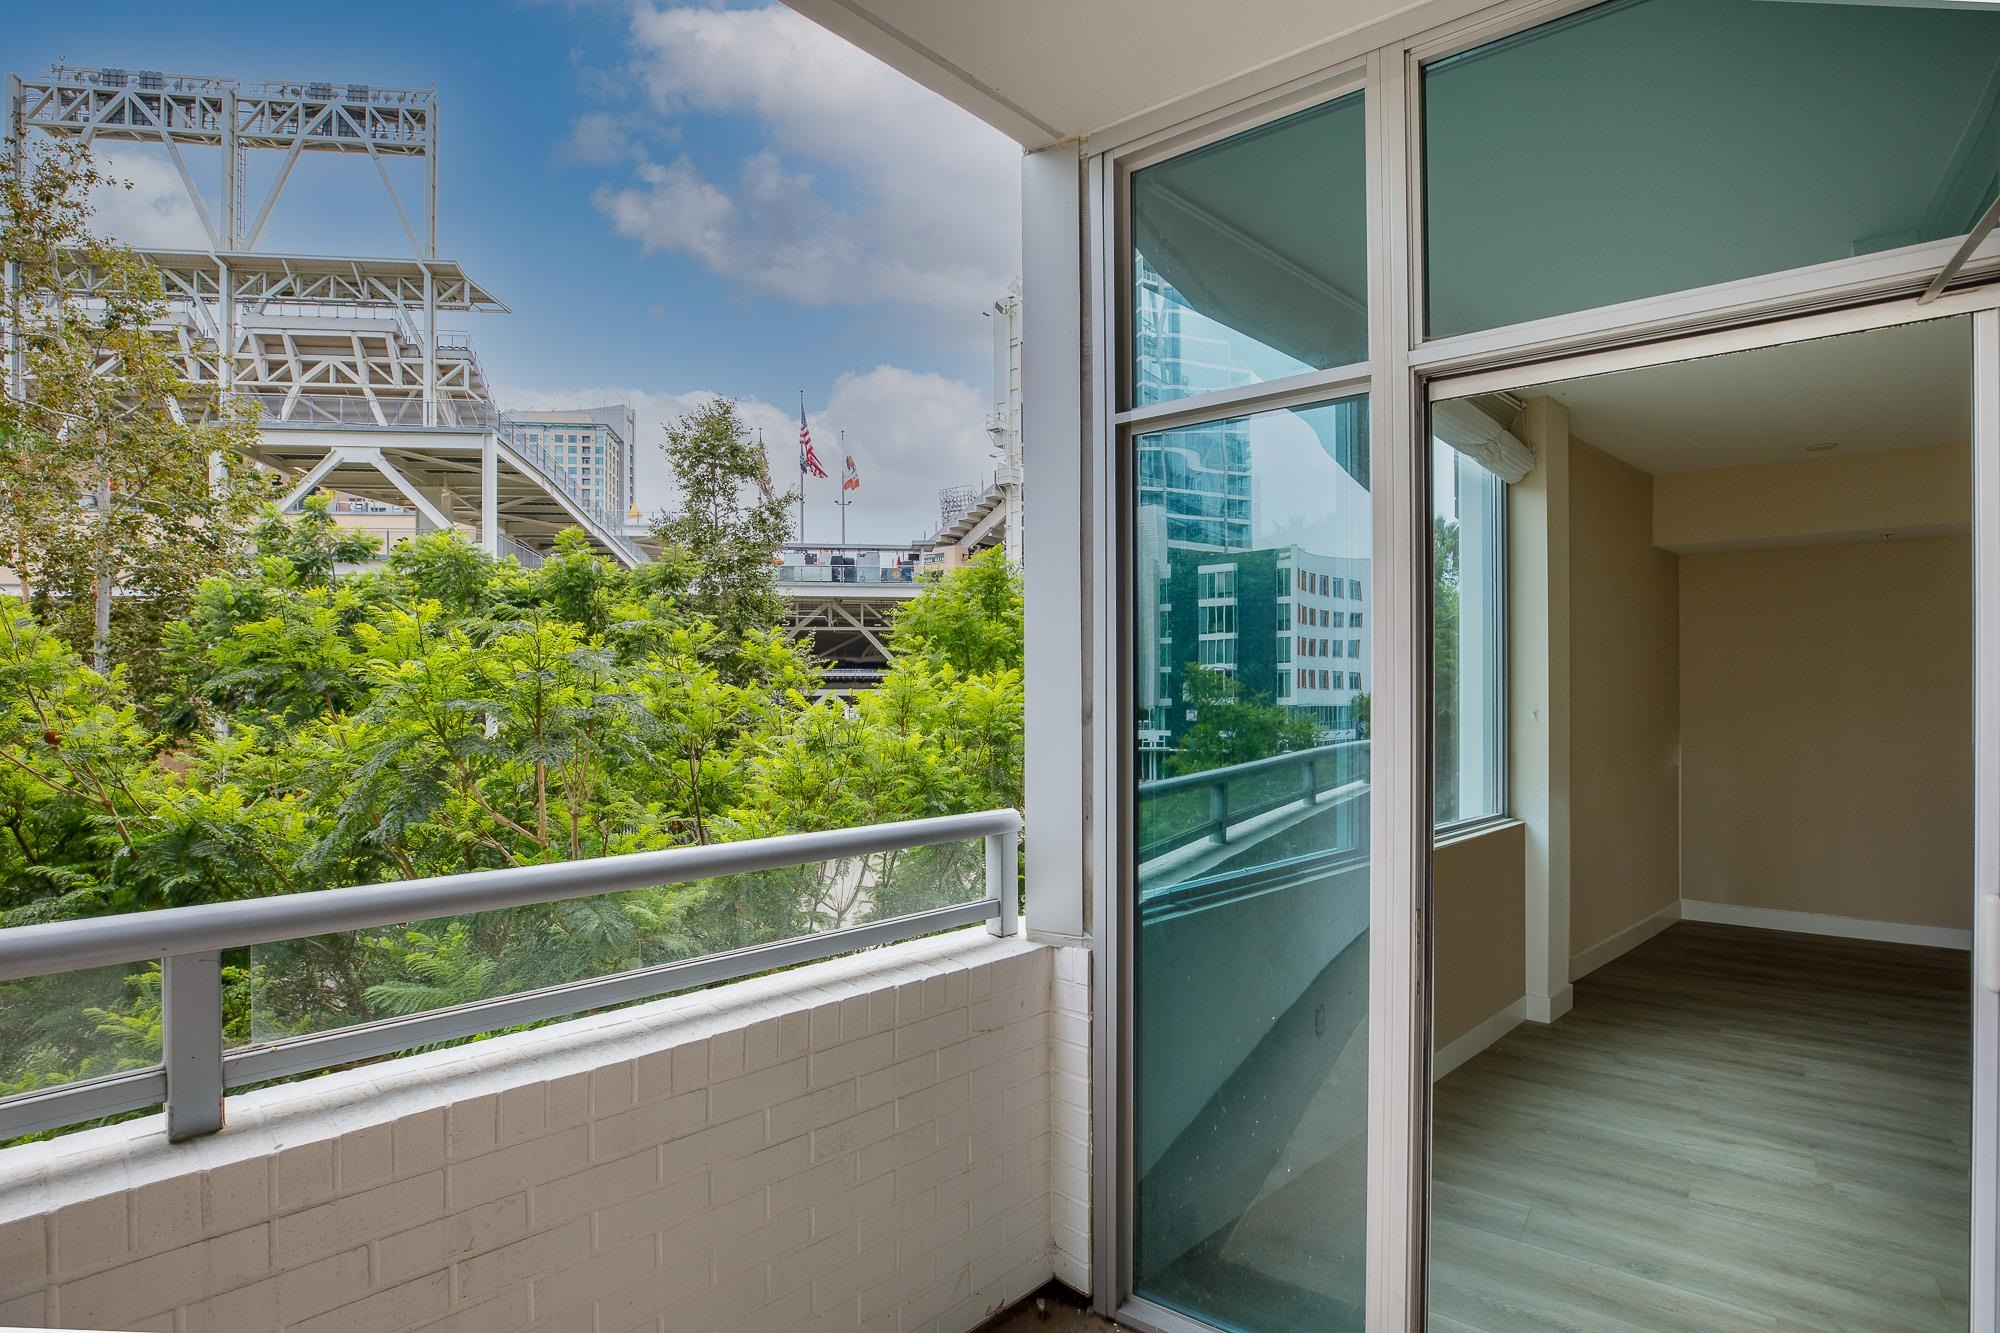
63	1029
300	987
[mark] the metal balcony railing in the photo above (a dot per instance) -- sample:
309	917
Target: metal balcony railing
195	1068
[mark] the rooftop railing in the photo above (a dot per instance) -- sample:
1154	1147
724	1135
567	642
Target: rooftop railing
847	573
195	1068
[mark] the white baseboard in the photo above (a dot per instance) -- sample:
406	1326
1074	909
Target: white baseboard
1597	955
1812	923
1472	1043
1548	1008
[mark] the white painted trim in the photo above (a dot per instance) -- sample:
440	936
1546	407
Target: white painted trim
1477	1040
1985	1302
1814	923
1398	1165
1548	1008
1586	961
1722	318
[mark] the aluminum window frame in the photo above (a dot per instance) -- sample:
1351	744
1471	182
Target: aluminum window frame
1499	734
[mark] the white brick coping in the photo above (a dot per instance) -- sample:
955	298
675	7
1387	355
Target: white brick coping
957	1065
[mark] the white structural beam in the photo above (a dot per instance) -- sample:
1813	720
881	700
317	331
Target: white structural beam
1059	654
489	495
312	479
421	502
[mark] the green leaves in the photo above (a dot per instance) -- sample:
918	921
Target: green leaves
970	619
440	712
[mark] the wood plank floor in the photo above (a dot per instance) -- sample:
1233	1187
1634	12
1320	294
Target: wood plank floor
1732	1130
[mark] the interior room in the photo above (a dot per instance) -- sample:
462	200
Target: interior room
1702	894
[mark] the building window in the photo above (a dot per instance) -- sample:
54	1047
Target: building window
1354	680
1469	560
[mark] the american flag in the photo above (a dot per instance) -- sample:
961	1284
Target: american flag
808	460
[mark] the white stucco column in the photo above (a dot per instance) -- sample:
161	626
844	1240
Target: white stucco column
1057	567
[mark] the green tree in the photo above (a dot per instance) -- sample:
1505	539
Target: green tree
970	619
441	712
121	478
726	533
1444	665
1232	728
313	543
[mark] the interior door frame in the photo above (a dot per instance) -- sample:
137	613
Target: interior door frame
1981	305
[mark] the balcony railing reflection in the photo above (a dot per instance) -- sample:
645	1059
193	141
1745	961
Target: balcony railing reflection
1189	808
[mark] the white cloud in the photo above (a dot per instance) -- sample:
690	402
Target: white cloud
911	433
600	139
150	208
869	187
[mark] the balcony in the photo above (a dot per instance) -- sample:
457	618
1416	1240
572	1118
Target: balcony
882	1127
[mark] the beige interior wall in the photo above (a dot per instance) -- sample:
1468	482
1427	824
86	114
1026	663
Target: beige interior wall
1624	702
1913	492
1476	893
1826	698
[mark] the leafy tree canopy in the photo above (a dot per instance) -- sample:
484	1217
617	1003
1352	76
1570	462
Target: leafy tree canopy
441	712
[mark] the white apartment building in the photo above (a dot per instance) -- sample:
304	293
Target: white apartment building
587	450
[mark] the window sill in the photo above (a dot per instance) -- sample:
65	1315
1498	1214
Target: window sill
1466	830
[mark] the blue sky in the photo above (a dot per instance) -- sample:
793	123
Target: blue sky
674	200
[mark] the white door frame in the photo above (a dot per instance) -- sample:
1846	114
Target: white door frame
1982	306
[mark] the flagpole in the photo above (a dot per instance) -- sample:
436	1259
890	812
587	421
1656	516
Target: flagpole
802	469
843	501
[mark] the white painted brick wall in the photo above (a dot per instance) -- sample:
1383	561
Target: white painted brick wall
896	1141
1069	1117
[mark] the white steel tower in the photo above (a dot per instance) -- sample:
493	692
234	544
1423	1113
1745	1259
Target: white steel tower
360	390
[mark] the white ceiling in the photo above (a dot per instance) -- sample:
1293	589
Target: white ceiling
1888	389
1046	70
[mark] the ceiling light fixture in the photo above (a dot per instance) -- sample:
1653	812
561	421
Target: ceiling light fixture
1822	446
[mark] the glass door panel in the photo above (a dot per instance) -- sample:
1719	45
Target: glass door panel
1253	611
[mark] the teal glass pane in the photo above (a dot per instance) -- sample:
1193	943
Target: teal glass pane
1252	681
1250	257
1650	146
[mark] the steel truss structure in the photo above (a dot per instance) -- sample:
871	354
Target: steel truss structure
327	346
850	626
